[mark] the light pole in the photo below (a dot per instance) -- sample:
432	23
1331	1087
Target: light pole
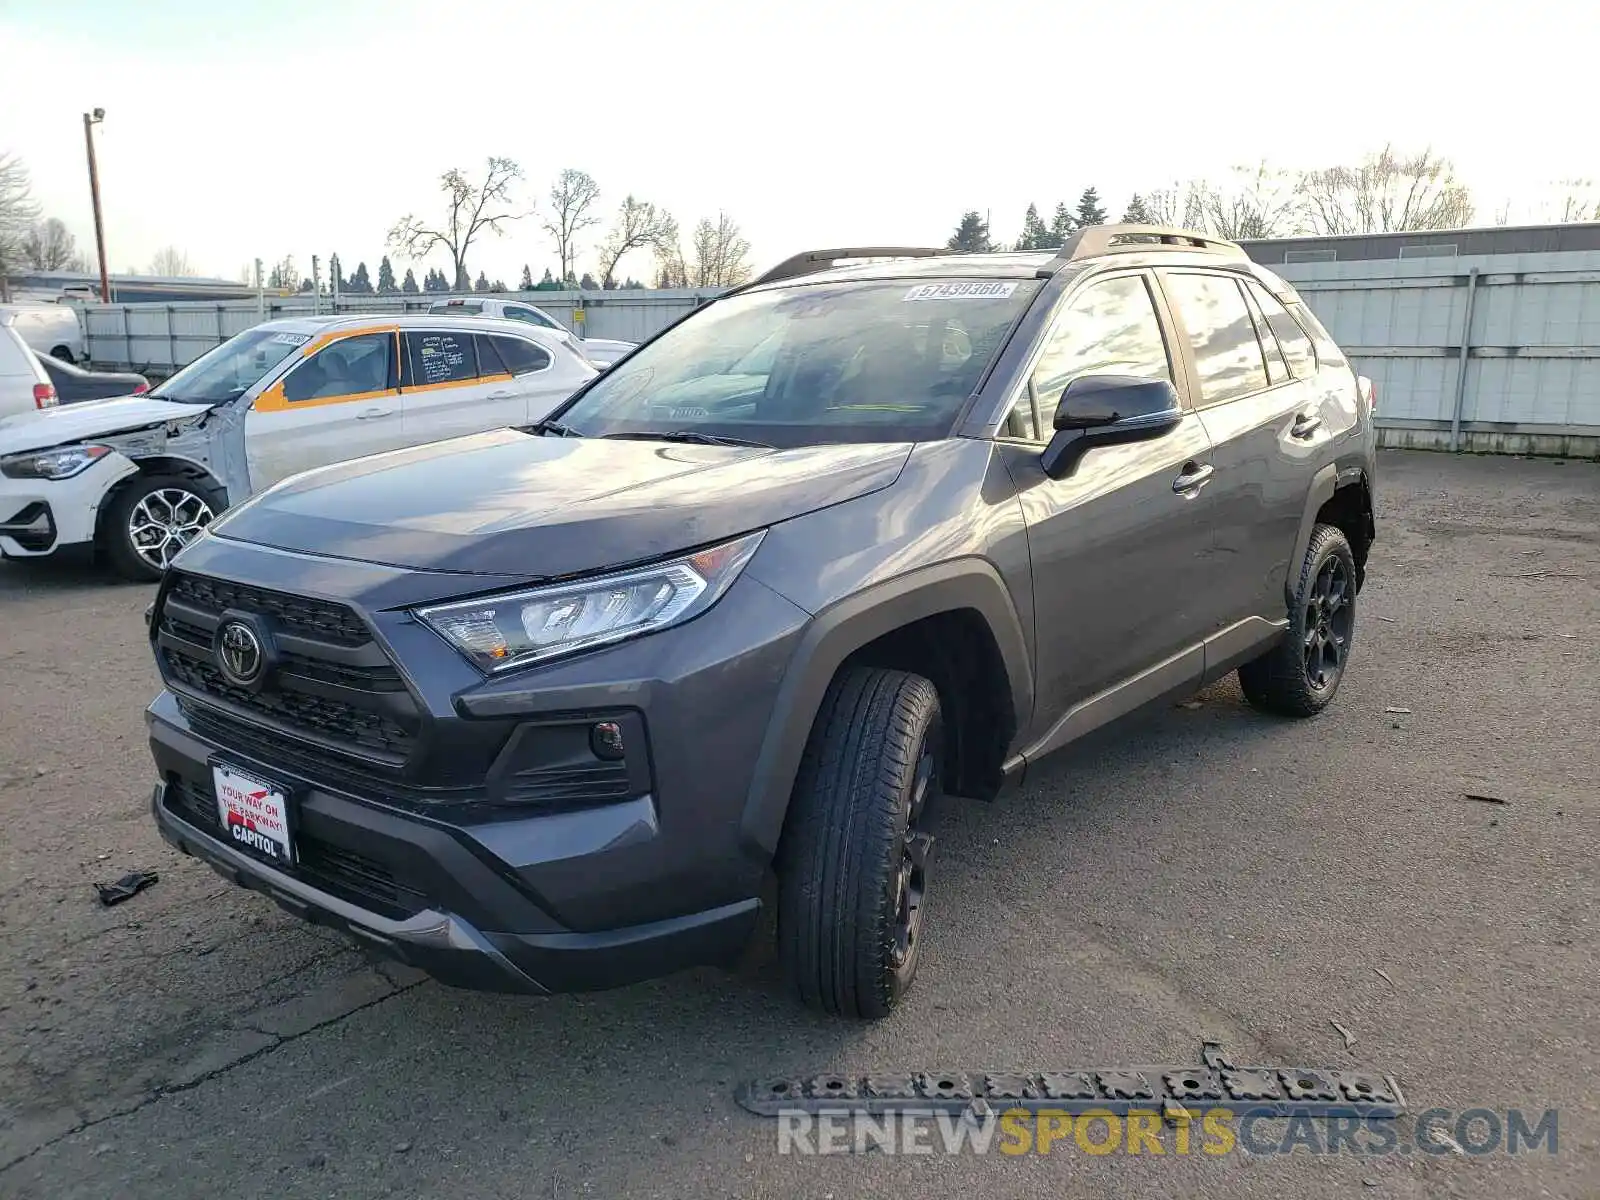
90	120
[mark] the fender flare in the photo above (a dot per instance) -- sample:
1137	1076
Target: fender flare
837	632
1328	480
154	464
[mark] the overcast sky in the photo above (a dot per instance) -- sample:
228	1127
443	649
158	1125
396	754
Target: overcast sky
268	127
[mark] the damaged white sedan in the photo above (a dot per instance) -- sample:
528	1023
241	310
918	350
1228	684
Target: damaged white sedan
136	479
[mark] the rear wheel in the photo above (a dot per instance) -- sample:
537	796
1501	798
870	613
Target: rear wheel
149	521
853	871
1300	675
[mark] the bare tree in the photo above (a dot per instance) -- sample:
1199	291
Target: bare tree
470	209
284	274
1386	192
50	246
1575	200
639	226
572	195
171	262
1183	205
18	212
721	253
1258	202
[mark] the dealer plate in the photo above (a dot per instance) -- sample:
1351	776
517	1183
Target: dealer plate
254	815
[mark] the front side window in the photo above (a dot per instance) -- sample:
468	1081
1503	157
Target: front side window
435	358
233	368
1108	328
349	367
1226	353
859	361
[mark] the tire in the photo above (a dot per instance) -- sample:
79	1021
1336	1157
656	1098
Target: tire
177	510
1300	675
852	870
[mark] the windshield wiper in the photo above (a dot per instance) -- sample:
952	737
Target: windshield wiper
692	435
552	427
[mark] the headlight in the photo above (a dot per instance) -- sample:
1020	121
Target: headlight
52	464
520	628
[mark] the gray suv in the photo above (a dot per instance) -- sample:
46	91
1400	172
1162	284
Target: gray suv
548	708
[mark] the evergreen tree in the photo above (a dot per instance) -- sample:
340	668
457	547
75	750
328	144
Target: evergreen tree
1061	226
499	285
1090	210
548	283
587	283
483	283
435	281
1034	235
386	285
359	283
306	285
525	284
1137	213
972	235
408	285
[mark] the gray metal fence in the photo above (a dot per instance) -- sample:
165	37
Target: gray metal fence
1496	352
159	338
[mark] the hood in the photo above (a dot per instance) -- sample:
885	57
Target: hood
89	419
518	505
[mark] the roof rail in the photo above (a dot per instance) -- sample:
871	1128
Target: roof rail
1094	240
820	260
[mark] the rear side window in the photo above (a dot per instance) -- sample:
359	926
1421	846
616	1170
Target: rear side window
1109	328
519	356
1226	353
531	315
1292	339
351	366
437	358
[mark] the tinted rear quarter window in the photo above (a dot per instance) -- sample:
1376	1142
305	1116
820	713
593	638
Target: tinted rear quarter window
519	356
1227	355
441	357
1292	339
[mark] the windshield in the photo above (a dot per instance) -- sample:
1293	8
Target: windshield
872	361
232	369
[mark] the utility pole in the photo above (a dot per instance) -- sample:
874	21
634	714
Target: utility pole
90	120
261	292
316	286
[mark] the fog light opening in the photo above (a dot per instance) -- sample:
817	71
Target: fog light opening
605	739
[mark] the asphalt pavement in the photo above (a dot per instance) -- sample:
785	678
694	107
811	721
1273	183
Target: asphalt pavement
1202	873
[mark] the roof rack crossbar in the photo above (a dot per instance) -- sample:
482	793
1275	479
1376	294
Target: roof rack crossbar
820	260
1094	240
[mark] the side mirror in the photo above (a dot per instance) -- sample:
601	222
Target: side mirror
1108	410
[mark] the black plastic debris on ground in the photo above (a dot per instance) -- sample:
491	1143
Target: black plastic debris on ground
127	887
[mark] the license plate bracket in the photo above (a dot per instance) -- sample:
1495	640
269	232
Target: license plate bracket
256	815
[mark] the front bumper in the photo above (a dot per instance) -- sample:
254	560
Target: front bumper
454	948
41	516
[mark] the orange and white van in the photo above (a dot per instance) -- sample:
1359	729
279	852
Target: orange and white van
138	478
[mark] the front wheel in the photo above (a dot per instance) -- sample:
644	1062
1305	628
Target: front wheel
853	868
1299	676
149	521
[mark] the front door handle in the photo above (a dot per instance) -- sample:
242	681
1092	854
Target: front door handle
1305	424
372	414
1194	477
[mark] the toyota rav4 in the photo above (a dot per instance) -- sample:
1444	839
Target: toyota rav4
562	707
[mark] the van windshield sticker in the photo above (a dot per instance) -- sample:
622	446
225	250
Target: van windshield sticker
289	339
978	289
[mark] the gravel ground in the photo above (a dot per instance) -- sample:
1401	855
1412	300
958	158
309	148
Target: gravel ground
1203	873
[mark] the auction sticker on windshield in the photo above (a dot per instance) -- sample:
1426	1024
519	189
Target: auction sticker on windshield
971	289
254	815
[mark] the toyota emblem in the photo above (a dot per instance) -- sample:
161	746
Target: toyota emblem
239	653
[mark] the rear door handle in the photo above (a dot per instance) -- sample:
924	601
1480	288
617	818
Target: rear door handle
1305	424
372	414
1194	477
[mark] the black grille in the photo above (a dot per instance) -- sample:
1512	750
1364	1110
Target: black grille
559	788
337	870
320	619
333	695
331	719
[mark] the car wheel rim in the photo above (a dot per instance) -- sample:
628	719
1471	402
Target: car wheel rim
1329	623
911	881
164	522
